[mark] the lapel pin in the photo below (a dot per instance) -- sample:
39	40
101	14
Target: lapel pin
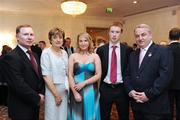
150	54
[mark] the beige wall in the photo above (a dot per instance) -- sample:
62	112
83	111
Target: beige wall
178	16
161	21
42	24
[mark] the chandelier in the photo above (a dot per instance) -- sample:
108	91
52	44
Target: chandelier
73	7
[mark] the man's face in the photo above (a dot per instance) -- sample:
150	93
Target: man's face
114	34
41	45
143	37
68	42
25	37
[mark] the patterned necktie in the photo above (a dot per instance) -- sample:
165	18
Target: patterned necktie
33	61
113	72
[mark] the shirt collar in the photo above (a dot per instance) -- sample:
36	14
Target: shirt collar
147	47
174	41
117	44
23	48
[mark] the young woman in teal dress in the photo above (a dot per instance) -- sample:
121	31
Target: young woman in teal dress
84	73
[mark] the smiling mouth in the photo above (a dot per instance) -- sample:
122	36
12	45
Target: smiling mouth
141	41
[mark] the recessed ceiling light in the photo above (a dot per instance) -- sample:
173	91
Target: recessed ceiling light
134	1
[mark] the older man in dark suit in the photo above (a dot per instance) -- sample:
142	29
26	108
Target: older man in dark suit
149	75
23	75
114	61
174	37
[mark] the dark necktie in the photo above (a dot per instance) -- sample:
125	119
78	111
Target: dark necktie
33	61
113	72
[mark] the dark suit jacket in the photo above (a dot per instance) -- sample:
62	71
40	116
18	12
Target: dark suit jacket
1	78
72	50
153	78
175	83
103	53
24	85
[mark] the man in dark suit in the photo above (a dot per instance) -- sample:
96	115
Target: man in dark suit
149	75
112	88
3	85
174	37
67	46
24	79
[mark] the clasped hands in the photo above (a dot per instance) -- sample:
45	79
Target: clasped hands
139	97
58	100
78	87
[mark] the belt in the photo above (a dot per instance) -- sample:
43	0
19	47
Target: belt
113	85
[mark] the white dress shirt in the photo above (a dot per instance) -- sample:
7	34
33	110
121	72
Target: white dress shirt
119	72
25	50
143	53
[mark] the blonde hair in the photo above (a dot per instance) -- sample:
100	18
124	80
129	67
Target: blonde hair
88	37
143	26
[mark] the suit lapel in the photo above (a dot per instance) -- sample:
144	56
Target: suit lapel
106	54
23	55
147	57
136	59
25	58
122	53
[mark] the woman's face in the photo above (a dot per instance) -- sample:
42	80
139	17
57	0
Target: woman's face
83	43
57	41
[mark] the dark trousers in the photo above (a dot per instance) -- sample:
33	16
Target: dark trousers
3	94
34	116
114	94
139	115
174	96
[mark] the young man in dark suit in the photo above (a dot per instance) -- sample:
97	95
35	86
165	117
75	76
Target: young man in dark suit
114	61
149	74
174	92
23	76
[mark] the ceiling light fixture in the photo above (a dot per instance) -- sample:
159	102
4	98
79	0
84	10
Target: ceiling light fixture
73	7
134	1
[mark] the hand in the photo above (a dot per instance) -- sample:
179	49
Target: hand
139	97
42	99
79	86
78	97
58	100
135	95
142	98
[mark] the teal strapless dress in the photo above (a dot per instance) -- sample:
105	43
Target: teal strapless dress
89	108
